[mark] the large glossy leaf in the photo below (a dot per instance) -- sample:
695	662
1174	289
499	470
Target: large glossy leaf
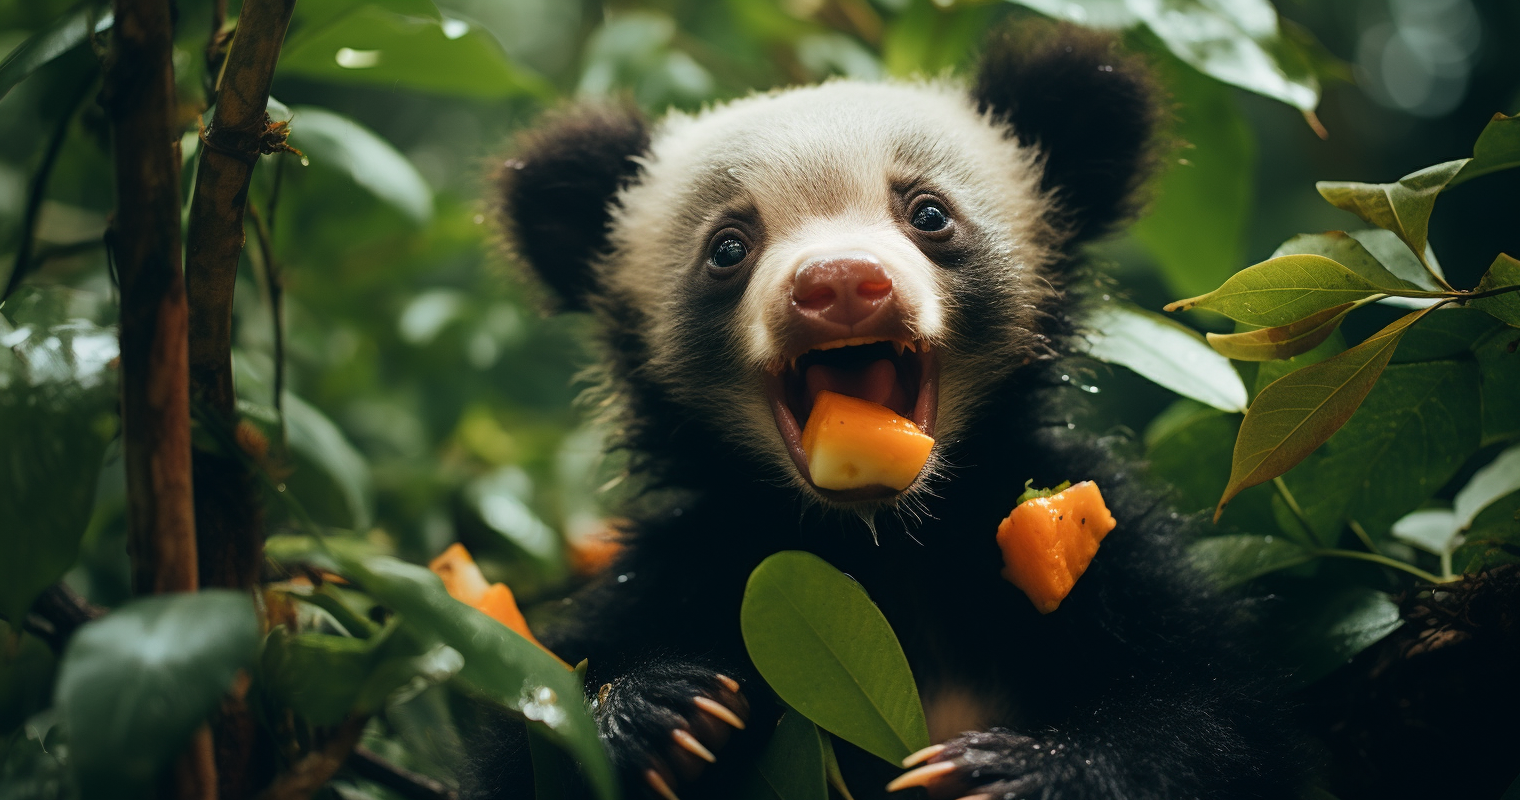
1195	226
312	18
1283	341
133	685
1402	207
1188	446
1235	559
1397	258
1298	412
1091	13
1321	632
499	664
337	142
378	47
59	37
319	445
1283	290
1504	272
1498	478
1349	252
826	650
1498	147
1165	352
1416	428
792	766
1493	537
1433	530
1235	41
1450	333
57	404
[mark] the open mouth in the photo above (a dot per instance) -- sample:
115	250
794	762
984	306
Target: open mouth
900	375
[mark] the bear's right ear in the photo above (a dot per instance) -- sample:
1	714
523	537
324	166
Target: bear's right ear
554	192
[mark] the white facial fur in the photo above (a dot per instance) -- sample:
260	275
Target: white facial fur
819	167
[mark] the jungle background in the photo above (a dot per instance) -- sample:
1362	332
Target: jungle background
397	389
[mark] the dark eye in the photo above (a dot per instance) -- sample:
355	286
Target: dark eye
728	252
930	217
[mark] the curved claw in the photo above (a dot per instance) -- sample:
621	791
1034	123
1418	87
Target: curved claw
719	710
922	776
659	785
690	744
923	755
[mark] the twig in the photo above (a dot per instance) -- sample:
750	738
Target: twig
24	261
57	613
410	785
307	775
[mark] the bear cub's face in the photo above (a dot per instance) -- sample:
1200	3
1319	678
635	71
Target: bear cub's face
894	242
883	241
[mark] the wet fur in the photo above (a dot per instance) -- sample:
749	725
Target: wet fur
1139	686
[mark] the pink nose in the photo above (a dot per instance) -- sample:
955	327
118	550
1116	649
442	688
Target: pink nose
843	291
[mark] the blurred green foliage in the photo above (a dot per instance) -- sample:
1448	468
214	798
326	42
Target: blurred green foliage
425	400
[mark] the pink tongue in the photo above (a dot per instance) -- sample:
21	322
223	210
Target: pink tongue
876	383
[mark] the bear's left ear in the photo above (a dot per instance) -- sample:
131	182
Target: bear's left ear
554	194
1093	110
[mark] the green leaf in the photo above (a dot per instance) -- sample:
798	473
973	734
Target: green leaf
1233	560
325	678
1283	290
1283	341
59	37
1494	536
1433	530
310	18
1349	252
1195	226
1403	207
337	142
134	684
1237	42
1498	147
1031	493
499	664
1498	478
828	652
1499	366
1323	632
1165	352
374	46
792	766
1103	14
1417	427
1504	272
1450	333
1397	258
26	678
57	414
318	444
1298	412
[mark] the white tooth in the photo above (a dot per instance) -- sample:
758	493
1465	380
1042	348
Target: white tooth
899	347
913	347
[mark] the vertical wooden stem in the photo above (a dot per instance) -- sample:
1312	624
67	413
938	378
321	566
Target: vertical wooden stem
139	98
229	516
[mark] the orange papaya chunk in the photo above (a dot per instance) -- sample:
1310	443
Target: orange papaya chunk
464	582
461	576
1047	542
852	443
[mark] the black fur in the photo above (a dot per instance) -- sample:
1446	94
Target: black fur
1139	687
554	190
1093	110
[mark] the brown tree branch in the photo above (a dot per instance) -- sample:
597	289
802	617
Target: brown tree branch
227	508
303	778
229	517
371	767
140	101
